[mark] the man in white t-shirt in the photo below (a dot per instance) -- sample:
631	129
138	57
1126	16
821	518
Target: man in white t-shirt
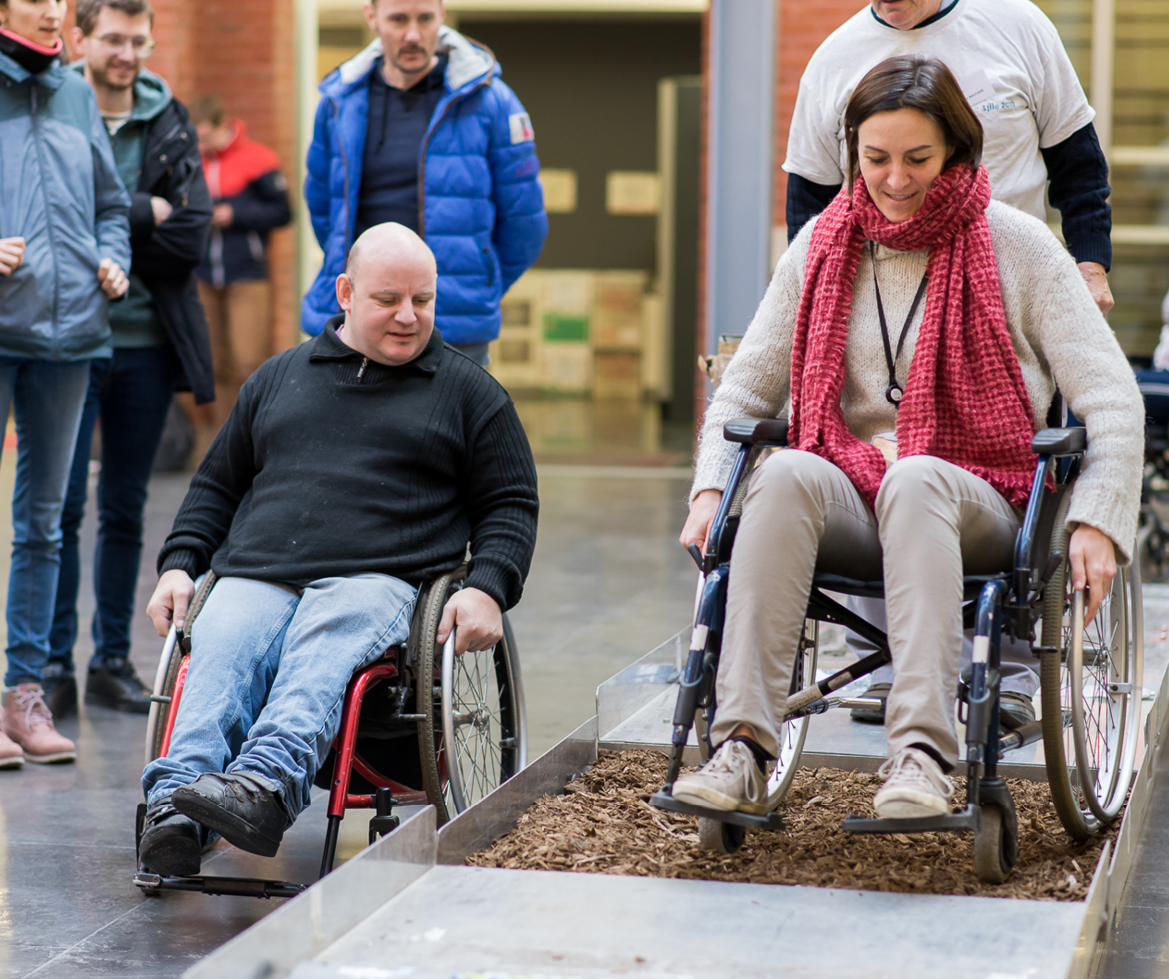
1012	66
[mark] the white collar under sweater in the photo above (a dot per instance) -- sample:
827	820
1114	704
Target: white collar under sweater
1058	336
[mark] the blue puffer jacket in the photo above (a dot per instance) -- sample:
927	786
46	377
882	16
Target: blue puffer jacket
61	193
482	208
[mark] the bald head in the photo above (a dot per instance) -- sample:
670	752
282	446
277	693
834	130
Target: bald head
388	293
391	245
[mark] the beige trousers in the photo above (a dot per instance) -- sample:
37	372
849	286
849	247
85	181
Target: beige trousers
933	521
239	318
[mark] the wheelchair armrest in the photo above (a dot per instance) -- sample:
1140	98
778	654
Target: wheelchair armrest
770	432
1060	441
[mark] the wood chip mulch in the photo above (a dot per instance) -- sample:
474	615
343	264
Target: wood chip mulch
603	824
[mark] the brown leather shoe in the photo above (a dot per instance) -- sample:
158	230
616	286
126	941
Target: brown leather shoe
11	754
28	722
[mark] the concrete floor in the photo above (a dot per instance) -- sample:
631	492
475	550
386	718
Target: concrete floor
608	583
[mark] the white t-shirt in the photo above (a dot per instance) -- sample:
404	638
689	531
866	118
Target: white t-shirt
1010	63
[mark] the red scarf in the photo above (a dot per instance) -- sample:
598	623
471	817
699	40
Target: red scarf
964	400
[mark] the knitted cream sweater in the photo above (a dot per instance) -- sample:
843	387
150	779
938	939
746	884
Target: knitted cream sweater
1058	334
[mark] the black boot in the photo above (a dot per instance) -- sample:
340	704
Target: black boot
60	691
239	807
115	684
171	844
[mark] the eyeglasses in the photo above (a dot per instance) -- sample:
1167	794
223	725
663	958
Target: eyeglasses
142	46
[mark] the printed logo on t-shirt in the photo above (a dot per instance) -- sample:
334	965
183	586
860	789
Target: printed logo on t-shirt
977	87
521	127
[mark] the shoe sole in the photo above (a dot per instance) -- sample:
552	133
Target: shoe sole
55	758
712	799
910	805
122	706
233	829
173	857
16	761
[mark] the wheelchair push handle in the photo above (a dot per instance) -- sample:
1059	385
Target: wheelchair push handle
762	432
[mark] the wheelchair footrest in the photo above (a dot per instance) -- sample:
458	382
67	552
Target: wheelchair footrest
771	820
966	821
239	886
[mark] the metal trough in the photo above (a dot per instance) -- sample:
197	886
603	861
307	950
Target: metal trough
408	908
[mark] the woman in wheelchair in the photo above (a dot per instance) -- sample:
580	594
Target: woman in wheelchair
916	333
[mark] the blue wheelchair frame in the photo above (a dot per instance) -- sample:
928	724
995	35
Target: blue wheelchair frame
1010	601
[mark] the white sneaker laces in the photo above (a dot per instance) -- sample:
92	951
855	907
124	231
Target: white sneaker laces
910	771
32	702
724	761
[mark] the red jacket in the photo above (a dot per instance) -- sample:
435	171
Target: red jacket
246	175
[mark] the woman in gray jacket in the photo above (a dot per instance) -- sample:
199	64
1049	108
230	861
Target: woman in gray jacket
64	253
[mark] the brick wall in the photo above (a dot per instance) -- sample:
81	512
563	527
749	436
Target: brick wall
802	27
244	52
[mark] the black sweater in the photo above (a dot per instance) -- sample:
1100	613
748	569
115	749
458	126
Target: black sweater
333	465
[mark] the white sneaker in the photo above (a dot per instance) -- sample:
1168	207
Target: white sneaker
915	787
731	780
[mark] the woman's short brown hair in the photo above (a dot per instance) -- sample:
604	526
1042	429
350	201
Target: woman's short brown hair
913	81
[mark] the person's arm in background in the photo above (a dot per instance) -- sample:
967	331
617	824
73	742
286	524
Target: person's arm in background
1079	190
317	166
520	222
111	206
261	206
806	199
173	247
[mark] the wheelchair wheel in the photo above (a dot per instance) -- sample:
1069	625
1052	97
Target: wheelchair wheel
992	860
720	837
1091	694
791	739
170	662
474	734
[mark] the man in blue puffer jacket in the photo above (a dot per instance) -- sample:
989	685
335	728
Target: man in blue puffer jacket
419	129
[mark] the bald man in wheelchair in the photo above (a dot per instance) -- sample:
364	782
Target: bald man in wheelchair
353	468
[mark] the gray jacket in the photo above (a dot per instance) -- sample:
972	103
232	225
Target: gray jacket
60	191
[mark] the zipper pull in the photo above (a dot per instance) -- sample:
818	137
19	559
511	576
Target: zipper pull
361	372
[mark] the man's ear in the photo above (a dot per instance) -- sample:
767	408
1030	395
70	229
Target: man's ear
345	292
78	38
369	10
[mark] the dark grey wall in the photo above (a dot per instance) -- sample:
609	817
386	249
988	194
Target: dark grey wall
591	90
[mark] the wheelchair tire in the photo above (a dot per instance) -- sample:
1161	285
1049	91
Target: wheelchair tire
794	733
166	676
1091	694
720	837
473	703
992	849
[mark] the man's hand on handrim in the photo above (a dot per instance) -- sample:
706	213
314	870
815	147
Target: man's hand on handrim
475	617
171	597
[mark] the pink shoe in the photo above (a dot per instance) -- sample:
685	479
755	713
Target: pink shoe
28	722
11	755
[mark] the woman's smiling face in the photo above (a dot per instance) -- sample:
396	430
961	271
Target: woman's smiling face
901	153
39	21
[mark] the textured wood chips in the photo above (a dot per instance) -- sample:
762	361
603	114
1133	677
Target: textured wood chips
603	824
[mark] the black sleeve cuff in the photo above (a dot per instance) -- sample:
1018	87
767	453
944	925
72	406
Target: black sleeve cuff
141	216
493	580
179	560
1092	248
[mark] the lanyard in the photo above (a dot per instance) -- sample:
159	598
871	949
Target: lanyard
894	392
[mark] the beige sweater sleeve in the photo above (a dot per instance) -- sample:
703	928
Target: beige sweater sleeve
1096	382
758	380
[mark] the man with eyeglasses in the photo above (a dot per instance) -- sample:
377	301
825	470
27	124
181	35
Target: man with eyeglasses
160	344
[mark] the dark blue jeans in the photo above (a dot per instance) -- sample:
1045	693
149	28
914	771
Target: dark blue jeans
131	394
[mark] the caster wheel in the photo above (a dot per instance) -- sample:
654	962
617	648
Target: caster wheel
992	849
720	837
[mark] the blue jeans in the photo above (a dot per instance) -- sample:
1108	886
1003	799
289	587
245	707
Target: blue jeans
48	397
268	672
131	393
